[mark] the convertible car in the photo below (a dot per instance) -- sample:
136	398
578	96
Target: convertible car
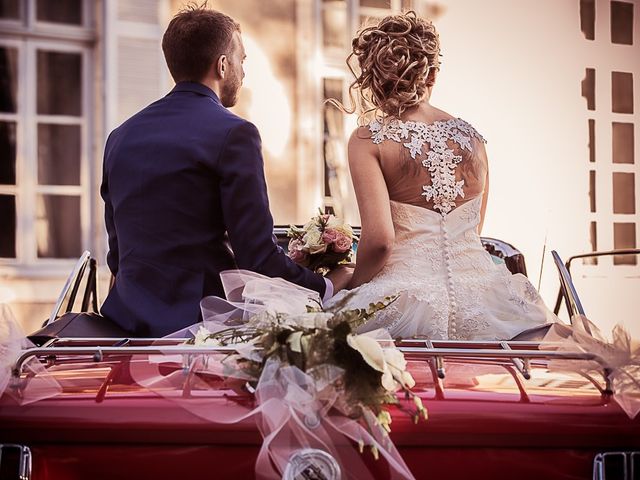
496	410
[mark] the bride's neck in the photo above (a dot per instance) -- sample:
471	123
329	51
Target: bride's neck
421	109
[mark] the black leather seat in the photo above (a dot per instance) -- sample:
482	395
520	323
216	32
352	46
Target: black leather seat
85	322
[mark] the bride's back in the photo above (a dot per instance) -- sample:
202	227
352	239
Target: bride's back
428	158
438	164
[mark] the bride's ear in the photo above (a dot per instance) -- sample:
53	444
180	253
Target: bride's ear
221	66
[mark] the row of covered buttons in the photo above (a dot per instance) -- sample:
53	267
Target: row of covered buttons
450	289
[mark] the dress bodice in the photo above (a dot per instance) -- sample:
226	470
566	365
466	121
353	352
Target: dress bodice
410	220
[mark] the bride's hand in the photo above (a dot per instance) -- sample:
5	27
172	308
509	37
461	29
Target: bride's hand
340	277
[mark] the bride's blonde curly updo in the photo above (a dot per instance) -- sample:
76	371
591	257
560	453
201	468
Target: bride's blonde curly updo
397	60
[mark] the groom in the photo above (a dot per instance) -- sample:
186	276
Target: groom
184	189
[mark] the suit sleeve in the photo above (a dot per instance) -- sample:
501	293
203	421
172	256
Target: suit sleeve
113	253
245	208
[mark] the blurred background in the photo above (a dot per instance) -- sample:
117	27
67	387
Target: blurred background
553	85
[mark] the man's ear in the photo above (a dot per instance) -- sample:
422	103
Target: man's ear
221	66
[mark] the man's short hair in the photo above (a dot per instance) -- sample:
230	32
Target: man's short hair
195	38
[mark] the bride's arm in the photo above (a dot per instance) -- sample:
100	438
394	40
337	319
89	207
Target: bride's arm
372	195
482	156
483	207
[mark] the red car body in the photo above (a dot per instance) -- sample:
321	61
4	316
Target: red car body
486	421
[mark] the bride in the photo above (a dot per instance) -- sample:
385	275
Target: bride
421	181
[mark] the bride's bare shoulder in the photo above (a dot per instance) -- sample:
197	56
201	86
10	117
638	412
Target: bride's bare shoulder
361	136
361	144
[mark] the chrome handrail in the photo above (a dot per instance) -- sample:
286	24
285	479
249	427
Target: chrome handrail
98	353
71	284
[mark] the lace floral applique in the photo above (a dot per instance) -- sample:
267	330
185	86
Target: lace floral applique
441	161
400	213
469	321
444	188
471	211
530	292
514	297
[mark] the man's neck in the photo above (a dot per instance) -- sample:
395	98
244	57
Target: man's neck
213	84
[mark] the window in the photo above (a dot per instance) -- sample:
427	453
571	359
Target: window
622	23
588	18
622	92
622	142
45	68
589	88
592	191
624	236
340	20
10	9
624	198
593	238
592	140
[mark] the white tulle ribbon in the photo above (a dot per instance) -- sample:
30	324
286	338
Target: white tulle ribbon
293	410
620	357
35	383
249	294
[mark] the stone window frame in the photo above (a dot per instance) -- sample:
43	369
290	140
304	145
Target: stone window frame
28	35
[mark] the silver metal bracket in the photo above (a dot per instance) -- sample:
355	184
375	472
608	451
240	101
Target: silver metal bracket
616	465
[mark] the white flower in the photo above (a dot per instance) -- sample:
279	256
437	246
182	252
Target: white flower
388	361
370	350
398	367
202	339
294	342
313	241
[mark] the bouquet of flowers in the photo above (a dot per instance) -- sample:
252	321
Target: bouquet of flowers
355	375
322	243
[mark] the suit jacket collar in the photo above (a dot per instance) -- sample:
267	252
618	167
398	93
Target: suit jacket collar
196	88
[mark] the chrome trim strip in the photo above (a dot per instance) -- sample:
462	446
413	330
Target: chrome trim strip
600	460
24	461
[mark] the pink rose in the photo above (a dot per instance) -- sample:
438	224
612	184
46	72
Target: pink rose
298	256
342	243
295	251
295	244
330	235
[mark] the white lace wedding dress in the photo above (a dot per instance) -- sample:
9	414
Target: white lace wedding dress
449	286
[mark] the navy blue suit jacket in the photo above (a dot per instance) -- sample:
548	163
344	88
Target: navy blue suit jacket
185	198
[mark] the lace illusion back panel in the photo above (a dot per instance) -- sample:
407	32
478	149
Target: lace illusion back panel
448	285
439	165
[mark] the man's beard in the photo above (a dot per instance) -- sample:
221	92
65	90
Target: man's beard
229	91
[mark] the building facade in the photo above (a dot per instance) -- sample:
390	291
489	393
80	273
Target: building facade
552	85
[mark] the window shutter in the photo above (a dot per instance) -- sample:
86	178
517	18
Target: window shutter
136	74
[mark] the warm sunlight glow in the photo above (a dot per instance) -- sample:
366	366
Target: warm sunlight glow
268	103
7	295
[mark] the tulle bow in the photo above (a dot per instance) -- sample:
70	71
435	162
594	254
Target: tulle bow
620	358
293	410
35	383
